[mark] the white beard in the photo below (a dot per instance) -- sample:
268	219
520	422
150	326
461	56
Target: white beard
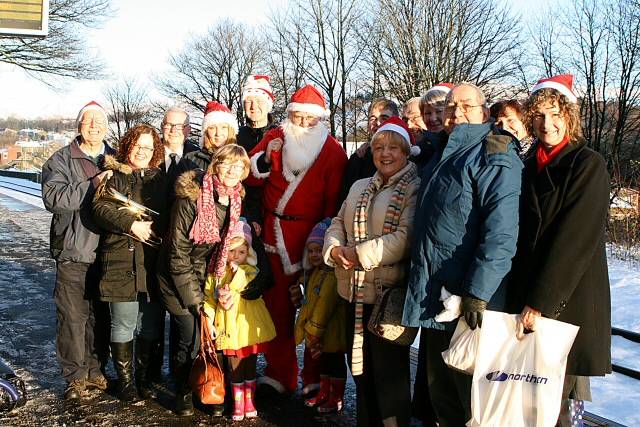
301	147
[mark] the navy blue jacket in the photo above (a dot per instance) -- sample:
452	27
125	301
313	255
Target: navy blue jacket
466	222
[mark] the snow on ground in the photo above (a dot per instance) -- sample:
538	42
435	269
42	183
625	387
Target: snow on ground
32	200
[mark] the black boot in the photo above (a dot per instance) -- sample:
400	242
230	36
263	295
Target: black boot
144	353
184	399
122	354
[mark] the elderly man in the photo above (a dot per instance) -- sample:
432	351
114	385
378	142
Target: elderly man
69	180
176	128
412	116
299	165
465	232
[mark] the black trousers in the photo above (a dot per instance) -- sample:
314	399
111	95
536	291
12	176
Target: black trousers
383	389
77	343
421	407
450	390
186	336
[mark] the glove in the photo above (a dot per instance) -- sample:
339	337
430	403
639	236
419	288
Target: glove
195	309
253	290
472	308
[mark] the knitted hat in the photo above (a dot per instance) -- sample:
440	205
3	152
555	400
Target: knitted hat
91	106
316	236
243	230
563	83
258	85
397	125
216	113
308	100
442	87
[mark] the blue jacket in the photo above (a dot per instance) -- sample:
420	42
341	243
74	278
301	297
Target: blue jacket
466	222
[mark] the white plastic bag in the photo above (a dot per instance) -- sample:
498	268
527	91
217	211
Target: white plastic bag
519	382
463	348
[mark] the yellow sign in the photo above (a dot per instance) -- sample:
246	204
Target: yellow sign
23	18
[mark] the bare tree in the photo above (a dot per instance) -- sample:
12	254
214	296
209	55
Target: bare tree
63	52
129	105
213	66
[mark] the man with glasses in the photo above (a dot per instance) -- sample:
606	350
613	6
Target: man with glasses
299	166
69	179
175	130
465	232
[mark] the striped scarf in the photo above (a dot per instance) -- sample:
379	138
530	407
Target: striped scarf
391	221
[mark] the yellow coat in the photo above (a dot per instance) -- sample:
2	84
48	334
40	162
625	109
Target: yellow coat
247	322
323	313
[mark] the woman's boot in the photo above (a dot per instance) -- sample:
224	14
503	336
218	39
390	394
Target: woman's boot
122	353
144	355
184	398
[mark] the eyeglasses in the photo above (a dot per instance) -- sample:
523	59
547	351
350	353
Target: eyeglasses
450	108
145	150
229	166
172	126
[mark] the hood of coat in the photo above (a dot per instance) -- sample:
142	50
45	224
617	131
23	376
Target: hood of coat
188	185
111	163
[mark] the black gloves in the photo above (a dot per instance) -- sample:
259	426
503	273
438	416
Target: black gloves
253	291
472	308
195	309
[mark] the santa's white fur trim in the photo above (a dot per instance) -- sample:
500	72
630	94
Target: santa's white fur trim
277	385
310	387
254	166
557	86
314	109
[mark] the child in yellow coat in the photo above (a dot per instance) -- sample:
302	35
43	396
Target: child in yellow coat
243	327
321	325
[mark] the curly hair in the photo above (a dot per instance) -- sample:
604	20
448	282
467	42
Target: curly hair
570	111
130	138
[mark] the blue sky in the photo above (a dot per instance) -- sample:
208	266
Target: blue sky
135	43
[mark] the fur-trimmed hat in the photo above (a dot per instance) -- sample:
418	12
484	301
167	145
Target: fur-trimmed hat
217	113
259	85
308	100
563	83
315	236
92	106
442	87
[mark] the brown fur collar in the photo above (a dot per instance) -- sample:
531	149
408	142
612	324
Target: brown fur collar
111	163
188	185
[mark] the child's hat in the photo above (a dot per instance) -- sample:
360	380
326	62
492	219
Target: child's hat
243	230
317	232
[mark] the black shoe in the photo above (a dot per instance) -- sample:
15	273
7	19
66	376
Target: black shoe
184	405
75	389
144	355
217	410
122	353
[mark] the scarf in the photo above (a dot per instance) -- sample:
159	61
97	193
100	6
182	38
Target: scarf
206	230
391	221
544	156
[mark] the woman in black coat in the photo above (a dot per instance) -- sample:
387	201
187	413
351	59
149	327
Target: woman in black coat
560	269
186	255
127	267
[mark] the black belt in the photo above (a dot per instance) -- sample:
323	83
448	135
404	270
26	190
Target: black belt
286	217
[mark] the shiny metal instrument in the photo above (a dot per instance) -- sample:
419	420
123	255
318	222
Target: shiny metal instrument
141	212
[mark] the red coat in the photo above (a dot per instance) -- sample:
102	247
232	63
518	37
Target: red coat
291	209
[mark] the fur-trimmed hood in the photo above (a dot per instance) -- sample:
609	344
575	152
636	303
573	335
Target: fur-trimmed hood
112	163
188	185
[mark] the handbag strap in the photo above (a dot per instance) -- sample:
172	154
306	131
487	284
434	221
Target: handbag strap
207	345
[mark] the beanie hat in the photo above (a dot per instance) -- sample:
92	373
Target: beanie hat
316	236
308	100
91	106
563	83
258	85
243	230
216	113
442	87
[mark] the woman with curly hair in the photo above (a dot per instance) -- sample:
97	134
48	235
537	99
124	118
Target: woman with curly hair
128	274
560	267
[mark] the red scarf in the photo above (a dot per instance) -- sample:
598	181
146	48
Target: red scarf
206	229
544	156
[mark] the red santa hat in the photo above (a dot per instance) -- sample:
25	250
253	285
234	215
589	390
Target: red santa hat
442	87
216	113
563	83
259	85
92	106
308	100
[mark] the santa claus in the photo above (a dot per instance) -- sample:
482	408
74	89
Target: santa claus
300	167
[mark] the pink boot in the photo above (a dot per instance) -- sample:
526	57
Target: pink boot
334	403
250	410
238	401
322	395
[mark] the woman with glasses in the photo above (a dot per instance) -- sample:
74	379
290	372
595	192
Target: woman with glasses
206	207
219	128
128	277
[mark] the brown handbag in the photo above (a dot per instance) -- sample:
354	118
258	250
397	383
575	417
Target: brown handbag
206	377
386	317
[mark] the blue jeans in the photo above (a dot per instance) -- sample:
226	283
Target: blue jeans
143	316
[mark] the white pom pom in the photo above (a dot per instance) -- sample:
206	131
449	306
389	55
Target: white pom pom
415	151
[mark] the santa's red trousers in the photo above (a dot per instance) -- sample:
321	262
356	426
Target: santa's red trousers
282	363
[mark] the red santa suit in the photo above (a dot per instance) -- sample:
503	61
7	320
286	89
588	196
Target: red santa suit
294	199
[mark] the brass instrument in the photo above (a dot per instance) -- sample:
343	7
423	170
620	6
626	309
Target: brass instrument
141	212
